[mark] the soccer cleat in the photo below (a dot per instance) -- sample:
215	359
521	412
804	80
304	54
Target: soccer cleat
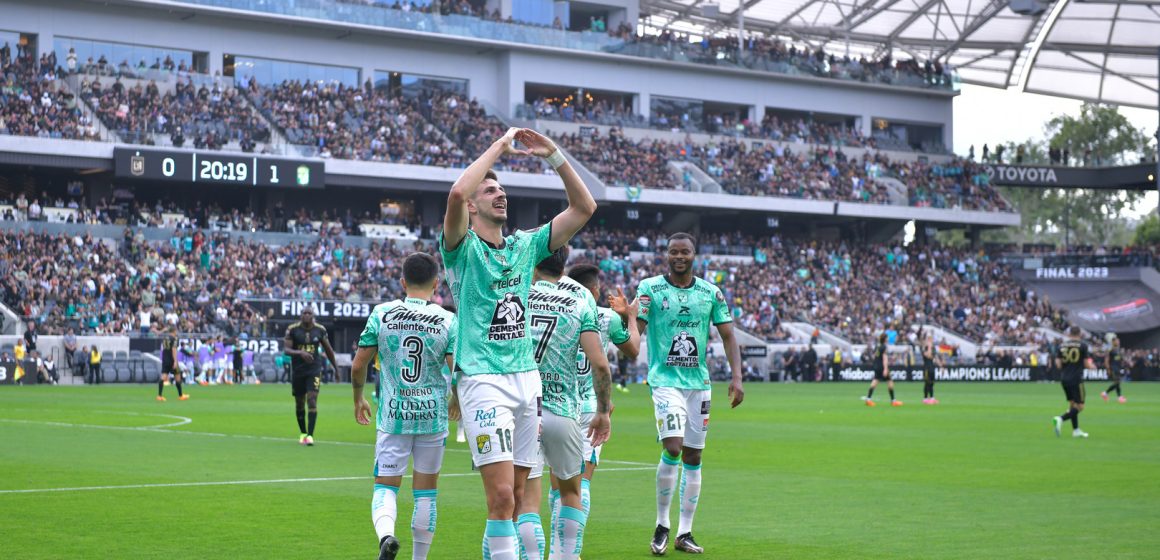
926	401
183	398
933	400
865	398
1104	395
895	403
1057	424
1079	433
388	548
302	439
660	541
160	398
869	402
685	543
1122	399
309	440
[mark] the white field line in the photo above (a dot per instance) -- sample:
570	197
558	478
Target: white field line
251	482
161	429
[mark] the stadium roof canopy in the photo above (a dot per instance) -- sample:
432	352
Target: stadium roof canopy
1096	50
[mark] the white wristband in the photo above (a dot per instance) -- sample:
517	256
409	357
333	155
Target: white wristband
556	159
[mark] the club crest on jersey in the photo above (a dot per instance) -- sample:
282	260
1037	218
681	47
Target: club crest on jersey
683	352
665	304
483	444
507	323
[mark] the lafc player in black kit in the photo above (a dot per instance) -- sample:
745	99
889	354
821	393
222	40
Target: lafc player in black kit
303	339
169	366
881	366
1114	362
929	362
1071	358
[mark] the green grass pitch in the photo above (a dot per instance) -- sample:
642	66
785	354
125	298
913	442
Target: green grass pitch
799	471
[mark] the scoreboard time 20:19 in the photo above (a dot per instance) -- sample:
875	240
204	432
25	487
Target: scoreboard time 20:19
200	167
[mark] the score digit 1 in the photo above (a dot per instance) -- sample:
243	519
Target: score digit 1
274	174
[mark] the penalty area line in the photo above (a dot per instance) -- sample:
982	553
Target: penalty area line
248	482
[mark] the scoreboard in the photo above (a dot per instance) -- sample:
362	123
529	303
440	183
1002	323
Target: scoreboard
215	168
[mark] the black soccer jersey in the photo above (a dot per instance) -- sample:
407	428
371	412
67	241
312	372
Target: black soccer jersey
1116	357
309	341
1072	354
879	352
167	347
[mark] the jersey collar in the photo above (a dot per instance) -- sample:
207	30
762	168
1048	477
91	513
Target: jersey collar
673	284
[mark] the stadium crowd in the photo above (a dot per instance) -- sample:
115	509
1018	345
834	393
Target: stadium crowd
202	279
36	103
753	169
207	117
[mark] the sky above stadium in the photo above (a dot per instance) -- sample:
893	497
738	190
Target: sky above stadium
986	115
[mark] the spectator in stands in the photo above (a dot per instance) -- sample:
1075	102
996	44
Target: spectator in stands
31	336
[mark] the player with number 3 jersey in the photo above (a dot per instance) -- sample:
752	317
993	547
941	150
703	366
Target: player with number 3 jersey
412	339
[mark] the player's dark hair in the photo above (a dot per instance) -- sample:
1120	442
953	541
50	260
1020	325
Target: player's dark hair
682	235
491	175
882	338
1074	330
554	264
586	274
419	269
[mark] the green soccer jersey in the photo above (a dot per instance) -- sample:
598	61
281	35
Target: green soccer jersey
412	337
490	285
558	315
678	330
612	329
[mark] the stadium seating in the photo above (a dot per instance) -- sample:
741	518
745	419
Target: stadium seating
36	103
744	168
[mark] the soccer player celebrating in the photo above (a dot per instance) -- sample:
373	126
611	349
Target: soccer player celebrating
616	323
301	343
413	340
563	320
169	366
490	277
929	361
1114	363
1071	358
678	308
881	363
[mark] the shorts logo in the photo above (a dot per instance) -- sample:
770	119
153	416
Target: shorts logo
485	418
385	466
705	407
705	425
539	406
507	323
683	352
483	444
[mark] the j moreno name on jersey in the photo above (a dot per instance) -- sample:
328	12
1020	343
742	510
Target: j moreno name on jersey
412	406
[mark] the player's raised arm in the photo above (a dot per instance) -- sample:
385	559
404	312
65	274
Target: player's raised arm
733	354
455	221
581	205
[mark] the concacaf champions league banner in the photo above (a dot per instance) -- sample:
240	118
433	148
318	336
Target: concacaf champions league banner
980	373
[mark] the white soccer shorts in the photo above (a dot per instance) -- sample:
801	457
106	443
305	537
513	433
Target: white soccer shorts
682	413
563	445
393	450
591	454
501	416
